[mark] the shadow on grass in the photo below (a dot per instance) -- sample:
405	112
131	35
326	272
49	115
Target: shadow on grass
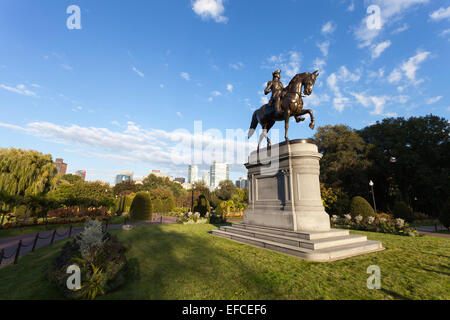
180	265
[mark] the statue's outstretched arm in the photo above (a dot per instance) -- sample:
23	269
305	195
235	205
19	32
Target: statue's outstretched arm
269	86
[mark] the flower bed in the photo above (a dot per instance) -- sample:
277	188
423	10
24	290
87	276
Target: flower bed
100	258
381	223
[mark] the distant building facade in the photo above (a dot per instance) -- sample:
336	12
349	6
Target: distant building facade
242	183
81	173
124	176
207	178
192	173
218	173
180	180
60	166
159	174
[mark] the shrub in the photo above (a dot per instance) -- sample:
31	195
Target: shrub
202	205
360	207
141	208
403	211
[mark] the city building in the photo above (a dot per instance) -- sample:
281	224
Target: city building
180	180
60	166
124	176
192	173
218	173
159	174
81	173
242	183
206	177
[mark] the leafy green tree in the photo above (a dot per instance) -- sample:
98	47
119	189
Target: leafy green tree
410	162
71	178
344	164
163	200
202	205
26	172
125	186
226	190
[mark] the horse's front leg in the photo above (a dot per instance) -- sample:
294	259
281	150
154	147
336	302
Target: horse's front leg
286	125
313	122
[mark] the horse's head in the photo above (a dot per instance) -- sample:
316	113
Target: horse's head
309	81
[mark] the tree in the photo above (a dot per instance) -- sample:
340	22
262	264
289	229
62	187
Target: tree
344	164
71	178
410	162
125	186
225	190
202	205
163	200
26	172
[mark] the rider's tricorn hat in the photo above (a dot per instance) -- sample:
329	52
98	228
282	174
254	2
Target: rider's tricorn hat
276	73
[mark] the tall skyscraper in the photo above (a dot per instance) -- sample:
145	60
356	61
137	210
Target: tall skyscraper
81	173
124	176
192	173
60	166
219	172
206	178
241	183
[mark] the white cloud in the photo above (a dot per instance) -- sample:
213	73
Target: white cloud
185	76
378	102
216	93
210	9
342	76
351	6
66	66
324	47
139	73
328	28
230	87
378	49
391	11
157	147
401	29
395	76
434	100
409	68
179	114
444	33
319	64
442	13
19	89
289	63
237	66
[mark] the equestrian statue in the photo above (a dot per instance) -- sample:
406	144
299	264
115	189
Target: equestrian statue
284	104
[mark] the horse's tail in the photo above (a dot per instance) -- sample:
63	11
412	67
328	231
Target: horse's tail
253	125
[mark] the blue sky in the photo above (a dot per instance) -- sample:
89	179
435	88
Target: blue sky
115	94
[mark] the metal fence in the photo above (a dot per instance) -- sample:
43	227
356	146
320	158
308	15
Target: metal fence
20	245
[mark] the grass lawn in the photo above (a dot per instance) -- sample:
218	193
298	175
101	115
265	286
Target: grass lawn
186	262
11	232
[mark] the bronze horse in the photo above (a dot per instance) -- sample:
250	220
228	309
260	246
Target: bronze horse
291	105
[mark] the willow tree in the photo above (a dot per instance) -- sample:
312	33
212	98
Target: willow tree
26	172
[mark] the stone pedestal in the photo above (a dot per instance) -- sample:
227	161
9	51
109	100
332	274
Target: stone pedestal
286	213
284	188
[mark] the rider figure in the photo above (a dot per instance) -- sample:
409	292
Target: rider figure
277	88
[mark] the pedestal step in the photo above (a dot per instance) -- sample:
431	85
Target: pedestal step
323	249
309	235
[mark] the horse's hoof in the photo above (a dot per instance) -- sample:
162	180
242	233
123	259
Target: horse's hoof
312	125
299	119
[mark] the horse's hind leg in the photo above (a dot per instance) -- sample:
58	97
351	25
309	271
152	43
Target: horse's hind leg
286	125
